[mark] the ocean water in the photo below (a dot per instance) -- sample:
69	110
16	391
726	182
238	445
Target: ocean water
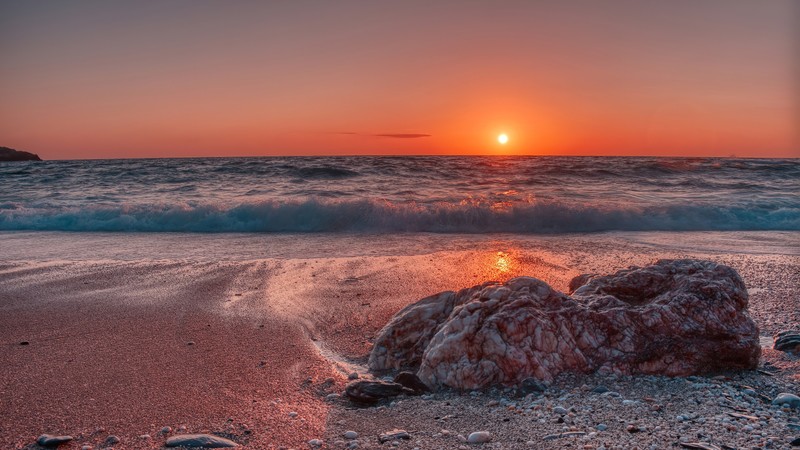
402	194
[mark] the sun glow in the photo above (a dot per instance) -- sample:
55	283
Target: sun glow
502	139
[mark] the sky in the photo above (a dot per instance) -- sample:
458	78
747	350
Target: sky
174	78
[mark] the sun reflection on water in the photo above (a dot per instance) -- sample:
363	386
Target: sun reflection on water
503	263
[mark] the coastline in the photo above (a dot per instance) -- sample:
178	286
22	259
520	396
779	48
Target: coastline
109	319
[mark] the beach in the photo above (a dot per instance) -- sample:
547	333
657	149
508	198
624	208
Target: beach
247	335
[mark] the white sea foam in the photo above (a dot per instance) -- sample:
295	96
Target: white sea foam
317	215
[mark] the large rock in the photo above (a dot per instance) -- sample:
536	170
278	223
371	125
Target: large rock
676	318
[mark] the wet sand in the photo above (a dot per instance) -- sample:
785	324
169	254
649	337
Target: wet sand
225	335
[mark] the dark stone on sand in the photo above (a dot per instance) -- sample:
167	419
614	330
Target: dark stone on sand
787	341
369	391
393	436
600	390
9	154
48	440
795	443
411	381
110	441
699	446
200	441
531	385
674	318
24	343
785	398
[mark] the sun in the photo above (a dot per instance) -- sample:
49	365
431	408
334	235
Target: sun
502	139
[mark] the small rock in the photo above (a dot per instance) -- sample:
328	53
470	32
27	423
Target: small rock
145	437
393	435
24	343
600	390
795	443
352	376
190	343
786	398
86	447
314	443
200	440
560	410
292	414
479	437
787	341
601	427
411	381
166	430
111	441
699	446
332	397
48	440
350	435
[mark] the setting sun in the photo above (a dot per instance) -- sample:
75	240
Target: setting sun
502	139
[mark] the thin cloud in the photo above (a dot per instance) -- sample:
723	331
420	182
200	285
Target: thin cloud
403	135
385	135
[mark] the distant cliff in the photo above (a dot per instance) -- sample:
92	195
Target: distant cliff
9	154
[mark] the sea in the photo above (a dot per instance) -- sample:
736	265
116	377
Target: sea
376	195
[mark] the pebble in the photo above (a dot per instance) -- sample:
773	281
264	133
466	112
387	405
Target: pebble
601	427
145	437
350	435
313	443
600	390
479	437
352	376
332	397
292	414
560	410
111	440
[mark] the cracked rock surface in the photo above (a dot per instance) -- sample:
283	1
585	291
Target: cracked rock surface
675	318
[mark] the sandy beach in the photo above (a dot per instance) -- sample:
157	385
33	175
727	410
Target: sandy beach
245	336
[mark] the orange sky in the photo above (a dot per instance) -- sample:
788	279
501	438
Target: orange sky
98	79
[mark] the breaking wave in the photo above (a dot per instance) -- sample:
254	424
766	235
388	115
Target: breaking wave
367	215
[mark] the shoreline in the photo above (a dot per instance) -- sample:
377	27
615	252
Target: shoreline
109	326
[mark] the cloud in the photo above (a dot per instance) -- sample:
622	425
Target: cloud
402	135
386	135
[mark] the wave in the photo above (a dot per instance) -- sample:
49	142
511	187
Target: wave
317	215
